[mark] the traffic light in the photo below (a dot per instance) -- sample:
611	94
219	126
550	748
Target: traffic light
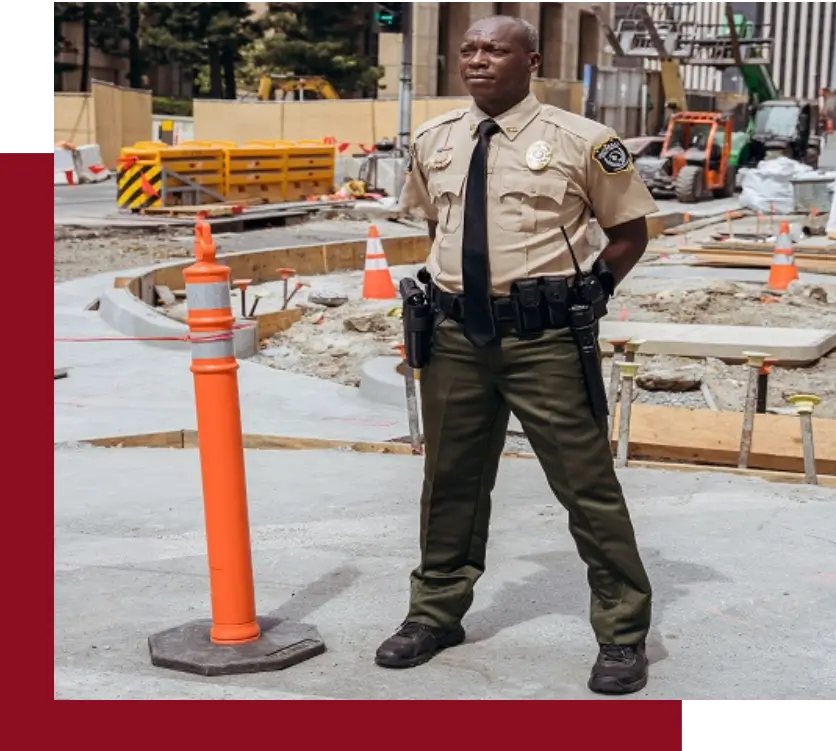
389	17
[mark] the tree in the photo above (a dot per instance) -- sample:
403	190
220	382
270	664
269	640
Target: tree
104	27
321	39
197	34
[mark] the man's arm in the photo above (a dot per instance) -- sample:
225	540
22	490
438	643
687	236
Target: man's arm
620	202
627	244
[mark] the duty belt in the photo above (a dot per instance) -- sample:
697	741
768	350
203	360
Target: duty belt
533	305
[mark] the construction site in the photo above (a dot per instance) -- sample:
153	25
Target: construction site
719	360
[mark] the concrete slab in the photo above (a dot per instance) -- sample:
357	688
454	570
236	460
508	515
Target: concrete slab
743	574
788	346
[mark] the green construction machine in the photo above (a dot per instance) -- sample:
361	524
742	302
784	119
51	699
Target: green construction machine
776	126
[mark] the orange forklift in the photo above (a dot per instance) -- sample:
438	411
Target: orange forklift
697	151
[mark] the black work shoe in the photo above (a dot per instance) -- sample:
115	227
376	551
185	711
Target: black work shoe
415	643
619	669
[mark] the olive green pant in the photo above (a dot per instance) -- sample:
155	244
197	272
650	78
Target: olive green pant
467	396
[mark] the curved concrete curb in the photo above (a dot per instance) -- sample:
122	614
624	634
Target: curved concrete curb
132	317
380	382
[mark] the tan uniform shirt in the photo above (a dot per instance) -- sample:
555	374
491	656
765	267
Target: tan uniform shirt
547	168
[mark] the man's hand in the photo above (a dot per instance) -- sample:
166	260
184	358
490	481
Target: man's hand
627	243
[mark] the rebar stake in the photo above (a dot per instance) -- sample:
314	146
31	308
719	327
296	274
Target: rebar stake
618	346
804	404
628	374
755	361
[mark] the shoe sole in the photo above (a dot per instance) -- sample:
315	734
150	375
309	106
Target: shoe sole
614	687
414	662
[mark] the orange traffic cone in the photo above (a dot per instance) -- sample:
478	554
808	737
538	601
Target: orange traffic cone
783	269
377	280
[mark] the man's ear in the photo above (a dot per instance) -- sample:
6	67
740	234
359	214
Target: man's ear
534	61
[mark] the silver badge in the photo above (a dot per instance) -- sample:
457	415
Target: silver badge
538	156
441	159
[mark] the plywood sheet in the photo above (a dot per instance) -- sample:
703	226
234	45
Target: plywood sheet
705	437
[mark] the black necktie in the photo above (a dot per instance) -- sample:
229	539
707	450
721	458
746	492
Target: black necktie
478	313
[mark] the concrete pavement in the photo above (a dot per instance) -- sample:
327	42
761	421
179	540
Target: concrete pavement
745	583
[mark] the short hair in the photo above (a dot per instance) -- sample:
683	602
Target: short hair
532	37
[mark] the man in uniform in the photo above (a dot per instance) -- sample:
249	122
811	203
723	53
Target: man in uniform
498	184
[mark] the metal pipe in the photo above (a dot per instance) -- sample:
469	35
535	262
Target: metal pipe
628	373
763	386
404	94
804	404
755	362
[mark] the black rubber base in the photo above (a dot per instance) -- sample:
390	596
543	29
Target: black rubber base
188	648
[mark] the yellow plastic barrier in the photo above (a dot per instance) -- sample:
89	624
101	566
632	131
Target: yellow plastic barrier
310	170
255	172
273	171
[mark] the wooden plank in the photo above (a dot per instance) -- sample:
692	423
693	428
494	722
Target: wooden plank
685	227
187	439
675	434
270	324
758	260
170	439
763	247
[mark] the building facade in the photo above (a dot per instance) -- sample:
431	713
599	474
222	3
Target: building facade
570	38
804	43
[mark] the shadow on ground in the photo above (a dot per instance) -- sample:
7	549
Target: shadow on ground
555	590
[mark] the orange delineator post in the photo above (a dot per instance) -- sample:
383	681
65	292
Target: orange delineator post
215	368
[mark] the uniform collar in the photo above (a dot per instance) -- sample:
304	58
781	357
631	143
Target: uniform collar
512	121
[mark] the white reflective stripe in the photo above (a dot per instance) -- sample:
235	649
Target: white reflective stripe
213	349
214	296
779	259
376	264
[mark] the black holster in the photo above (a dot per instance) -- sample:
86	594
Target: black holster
583	324
417	323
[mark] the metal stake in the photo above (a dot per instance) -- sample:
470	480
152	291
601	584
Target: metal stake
628	373
804	404
755	363
411	402
618	346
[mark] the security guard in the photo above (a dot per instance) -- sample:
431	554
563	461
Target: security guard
499	184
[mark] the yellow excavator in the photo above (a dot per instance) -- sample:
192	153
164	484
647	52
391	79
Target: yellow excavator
289	87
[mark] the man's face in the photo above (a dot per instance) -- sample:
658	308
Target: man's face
494	61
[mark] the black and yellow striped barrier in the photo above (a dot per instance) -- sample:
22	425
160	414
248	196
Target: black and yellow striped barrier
139	186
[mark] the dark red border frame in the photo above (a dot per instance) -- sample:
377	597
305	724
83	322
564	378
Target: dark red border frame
613	725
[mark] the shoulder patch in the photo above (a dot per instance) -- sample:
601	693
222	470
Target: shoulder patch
447	117
612	156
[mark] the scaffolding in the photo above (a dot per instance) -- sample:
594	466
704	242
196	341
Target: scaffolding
669	31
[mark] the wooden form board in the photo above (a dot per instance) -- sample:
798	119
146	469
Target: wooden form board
187	439
812	263
678	434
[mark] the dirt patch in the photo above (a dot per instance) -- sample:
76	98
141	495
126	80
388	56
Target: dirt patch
729	304
84	251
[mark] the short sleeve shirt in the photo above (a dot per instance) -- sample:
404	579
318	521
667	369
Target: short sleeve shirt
547	169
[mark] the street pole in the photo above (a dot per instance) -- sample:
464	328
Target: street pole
404	94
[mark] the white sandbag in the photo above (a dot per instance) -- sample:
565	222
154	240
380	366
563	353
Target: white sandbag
769	186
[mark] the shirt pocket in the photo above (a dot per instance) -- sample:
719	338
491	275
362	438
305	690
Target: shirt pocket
447	193
530	202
